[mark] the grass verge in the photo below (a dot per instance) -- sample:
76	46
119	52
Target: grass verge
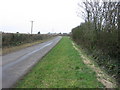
15	48
101	74
62	67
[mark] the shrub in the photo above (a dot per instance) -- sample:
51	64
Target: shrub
102	45
13	39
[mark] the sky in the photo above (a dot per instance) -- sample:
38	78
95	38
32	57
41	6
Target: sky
53	16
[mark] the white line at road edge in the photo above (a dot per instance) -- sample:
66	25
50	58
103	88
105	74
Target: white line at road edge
25	56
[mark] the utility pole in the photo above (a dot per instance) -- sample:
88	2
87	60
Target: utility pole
31	26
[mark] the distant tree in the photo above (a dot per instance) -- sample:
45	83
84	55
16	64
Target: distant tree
49	33
60	33
39	32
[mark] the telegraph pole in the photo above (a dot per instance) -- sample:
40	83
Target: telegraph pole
31	26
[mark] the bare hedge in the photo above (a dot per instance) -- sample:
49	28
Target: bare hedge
13	39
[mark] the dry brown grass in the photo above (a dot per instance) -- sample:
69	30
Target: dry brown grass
105	79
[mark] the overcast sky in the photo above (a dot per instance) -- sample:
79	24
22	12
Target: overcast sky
48	15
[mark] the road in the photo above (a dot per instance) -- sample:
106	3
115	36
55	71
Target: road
17	64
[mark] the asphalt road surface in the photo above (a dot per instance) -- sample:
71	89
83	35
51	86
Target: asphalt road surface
17	64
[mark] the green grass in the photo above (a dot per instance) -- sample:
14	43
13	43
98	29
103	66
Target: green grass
62	67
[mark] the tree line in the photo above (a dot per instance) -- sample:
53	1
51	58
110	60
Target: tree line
99	34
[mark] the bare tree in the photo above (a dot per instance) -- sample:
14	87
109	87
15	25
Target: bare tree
104	15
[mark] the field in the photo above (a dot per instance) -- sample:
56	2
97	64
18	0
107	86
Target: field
62	67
